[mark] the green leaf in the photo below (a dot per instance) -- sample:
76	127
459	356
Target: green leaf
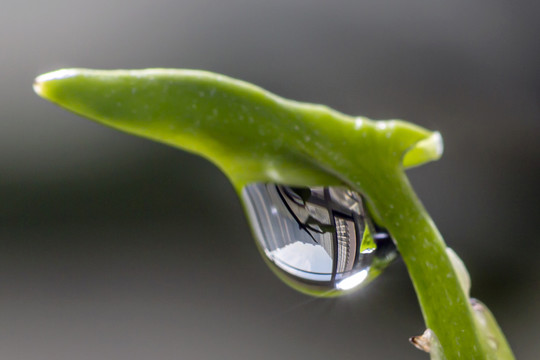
251	134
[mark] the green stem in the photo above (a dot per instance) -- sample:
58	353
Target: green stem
444	304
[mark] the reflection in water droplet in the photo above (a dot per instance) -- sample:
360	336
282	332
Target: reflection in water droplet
320	238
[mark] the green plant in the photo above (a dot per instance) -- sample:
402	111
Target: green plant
255	136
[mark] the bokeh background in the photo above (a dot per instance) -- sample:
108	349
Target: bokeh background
114	247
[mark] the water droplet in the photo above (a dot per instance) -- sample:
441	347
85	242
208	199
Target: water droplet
320	239
358	123
381	125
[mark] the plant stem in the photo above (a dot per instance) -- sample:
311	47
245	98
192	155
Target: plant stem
444	304
255	136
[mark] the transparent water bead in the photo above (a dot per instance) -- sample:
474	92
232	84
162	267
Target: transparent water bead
319	239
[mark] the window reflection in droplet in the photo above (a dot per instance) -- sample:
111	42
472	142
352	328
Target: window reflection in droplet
319	237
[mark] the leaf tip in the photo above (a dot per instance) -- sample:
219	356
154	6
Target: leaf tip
42	82
428	149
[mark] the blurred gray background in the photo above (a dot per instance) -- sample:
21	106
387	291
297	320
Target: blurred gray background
114	247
